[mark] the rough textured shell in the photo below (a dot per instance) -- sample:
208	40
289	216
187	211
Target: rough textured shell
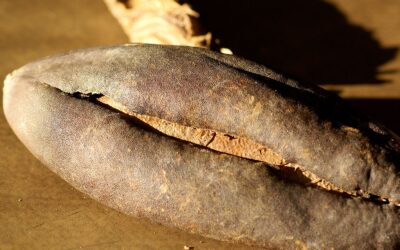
174	183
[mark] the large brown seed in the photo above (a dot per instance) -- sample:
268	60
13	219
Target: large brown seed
136	170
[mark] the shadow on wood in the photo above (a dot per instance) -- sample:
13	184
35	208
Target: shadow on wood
311	40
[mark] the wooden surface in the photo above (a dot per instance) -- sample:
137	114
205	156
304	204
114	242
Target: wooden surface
350	46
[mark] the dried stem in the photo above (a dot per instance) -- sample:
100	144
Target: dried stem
158	22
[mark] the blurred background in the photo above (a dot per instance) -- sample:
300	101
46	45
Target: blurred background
349	47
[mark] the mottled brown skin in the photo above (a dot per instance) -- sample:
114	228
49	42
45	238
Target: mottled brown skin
144	173
197	87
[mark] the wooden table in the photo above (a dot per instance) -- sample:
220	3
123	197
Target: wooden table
350	46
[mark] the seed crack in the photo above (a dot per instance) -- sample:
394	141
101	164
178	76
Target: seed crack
233	145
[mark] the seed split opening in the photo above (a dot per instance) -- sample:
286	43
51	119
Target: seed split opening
230	144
